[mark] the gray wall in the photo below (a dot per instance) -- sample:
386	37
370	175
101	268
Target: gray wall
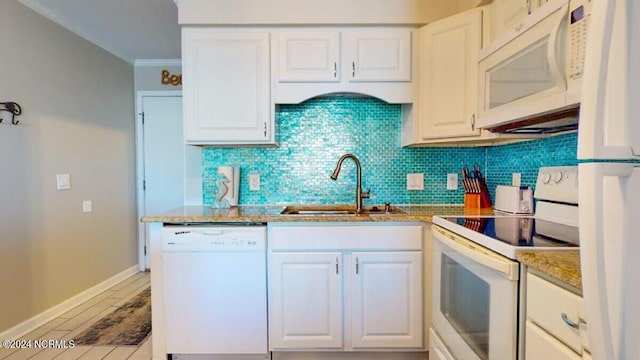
78	118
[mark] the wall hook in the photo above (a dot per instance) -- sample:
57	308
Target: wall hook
13	108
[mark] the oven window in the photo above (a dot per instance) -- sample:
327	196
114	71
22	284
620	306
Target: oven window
464	301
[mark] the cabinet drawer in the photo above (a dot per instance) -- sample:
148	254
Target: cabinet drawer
546	304
338	236
541	345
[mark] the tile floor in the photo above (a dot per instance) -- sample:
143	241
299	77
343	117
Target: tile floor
78	319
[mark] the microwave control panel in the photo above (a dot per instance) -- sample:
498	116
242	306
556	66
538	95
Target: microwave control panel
579	16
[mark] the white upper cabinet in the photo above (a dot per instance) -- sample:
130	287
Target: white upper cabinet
227	86
448	83
308	56
446	109
316	61
377	55
507	14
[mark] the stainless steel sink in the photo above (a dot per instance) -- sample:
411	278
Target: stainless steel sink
311	210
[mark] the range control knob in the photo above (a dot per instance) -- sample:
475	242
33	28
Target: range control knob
557	177
546	177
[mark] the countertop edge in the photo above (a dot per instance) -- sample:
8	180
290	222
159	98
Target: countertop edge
271	213
562	265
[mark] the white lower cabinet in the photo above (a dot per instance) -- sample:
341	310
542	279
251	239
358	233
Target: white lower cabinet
345	293
554	327
386	307
541	345
305	291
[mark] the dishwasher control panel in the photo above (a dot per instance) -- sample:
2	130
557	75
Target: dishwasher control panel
214	238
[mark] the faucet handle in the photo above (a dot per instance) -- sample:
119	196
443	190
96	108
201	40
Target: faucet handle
366	194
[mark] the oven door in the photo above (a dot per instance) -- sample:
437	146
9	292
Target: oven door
475	297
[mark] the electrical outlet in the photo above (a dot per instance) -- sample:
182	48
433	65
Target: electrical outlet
87	206
415	181
515	179
63	181
254	182
452	181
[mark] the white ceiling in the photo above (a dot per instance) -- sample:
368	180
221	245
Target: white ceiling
130	29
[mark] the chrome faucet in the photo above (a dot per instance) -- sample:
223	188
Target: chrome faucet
359	193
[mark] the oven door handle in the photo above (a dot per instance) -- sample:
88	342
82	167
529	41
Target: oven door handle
477	253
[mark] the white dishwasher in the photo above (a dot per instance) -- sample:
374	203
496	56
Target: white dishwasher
215	290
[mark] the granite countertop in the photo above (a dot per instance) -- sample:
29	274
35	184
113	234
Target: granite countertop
271	213
561	265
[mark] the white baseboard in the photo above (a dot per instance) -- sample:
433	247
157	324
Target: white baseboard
29	325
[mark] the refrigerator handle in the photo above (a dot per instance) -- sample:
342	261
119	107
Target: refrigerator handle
606	212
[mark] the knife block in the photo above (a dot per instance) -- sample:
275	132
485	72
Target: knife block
474	201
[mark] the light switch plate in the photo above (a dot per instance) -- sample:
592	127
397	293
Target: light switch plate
452	181
254	182
63	181
415	181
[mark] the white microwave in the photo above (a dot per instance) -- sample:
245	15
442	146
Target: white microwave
530	78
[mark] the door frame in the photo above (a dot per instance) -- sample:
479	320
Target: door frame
142	231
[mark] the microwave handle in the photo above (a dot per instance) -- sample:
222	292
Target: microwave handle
552	50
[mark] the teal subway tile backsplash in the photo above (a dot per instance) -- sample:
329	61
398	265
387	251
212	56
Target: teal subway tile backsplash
527	157
315	133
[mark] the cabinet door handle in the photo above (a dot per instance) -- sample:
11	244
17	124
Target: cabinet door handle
568	321
335	70
353	69
473	122
357	265
265	129
336	265
528	7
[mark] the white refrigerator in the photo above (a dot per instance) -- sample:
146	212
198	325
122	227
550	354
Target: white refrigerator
609	180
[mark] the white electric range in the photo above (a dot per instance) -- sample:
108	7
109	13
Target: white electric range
476	277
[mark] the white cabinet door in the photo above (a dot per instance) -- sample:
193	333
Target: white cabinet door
308	56
226	86
305	300
541	345
375	61
387	299
556	320
506	14
448	82
377	55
